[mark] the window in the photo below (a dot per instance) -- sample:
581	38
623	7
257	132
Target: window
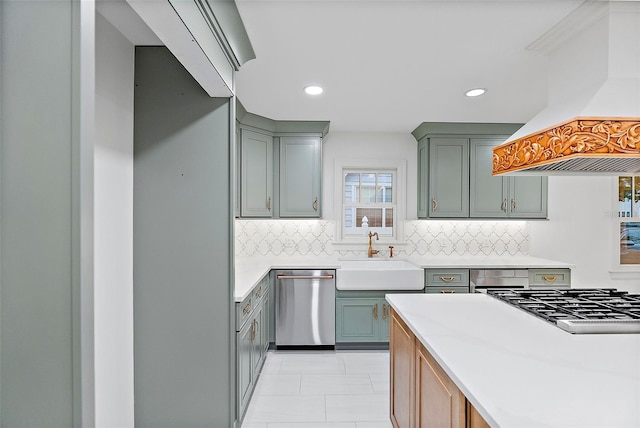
372	190
629	219
369	202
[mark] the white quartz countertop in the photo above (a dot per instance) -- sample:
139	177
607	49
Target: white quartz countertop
250	270
520	371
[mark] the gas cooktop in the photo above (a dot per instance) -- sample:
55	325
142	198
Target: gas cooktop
578	310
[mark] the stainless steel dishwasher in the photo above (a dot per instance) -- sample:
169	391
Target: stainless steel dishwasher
305	308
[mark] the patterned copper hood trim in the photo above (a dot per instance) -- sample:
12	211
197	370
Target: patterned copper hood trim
594	145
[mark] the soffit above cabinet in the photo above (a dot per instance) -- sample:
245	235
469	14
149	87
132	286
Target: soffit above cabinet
207	37
280	128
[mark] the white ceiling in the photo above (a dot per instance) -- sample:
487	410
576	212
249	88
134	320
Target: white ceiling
389	65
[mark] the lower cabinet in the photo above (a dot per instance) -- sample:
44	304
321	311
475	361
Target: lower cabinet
422	394
439	402
252	341
447	281
362	320
363	316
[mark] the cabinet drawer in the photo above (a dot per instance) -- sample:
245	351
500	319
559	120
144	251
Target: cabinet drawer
449	277
261	290
243	311
443	289
549	277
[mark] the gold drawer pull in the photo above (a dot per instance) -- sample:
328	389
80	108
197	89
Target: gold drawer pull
315	204
550	278
447	291
375	311
259	293
385	311
447	278
246	309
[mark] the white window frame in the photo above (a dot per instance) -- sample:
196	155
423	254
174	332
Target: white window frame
382	231
622	271
399	168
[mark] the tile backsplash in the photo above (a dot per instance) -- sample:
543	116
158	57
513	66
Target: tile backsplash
267	237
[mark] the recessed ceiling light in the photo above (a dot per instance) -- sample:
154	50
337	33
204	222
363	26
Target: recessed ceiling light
313	90
475	92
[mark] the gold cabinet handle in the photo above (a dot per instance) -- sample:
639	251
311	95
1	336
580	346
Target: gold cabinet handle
269	203
447	291
246	309
434	205
513	204
252	335
315	204
446	278
504	205
385	311
259	293
375	311
550	278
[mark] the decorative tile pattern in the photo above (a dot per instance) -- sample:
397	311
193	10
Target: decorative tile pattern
422	237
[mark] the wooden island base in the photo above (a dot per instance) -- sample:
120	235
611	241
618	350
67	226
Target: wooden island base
422	395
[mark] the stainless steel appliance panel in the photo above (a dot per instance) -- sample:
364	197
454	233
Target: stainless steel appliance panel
305	308
481	279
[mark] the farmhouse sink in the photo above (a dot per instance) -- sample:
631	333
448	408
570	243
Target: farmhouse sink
379	274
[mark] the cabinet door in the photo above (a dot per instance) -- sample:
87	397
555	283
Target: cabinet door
244	353
257	349
439	402
300	176
256	174
402	388
423	178
357	319
384	321
449	177
489	195
265	325
528	197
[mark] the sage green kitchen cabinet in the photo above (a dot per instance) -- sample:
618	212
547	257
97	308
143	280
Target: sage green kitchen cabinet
244	352
446	281
455	161
363	316
502	197
280	166
423	178
556	278
256	174
252	341
448	177
300	176
362	320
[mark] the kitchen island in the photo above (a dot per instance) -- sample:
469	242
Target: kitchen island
516	370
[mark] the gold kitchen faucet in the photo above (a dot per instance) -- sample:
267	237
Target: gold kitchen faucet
371	251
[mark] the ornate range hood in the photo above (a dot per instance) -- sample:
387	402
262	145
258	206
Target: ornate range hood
592	122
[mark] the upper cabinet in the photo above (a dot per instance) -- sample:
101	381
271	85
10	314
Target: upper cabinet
449	177
500	196
280	167
256	178
455	180
300	176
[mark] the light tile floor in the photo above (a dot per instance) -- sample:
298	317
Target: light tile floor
323	389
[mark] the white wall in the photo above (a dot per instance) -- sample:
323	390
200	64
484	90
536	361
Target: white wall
360	146
114	227
581	231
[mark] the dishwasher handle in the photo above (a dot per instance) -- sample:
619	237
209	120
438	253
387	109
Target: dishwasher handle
304	276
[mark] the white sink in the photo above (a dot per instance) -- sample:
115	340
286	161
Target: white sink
379	274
